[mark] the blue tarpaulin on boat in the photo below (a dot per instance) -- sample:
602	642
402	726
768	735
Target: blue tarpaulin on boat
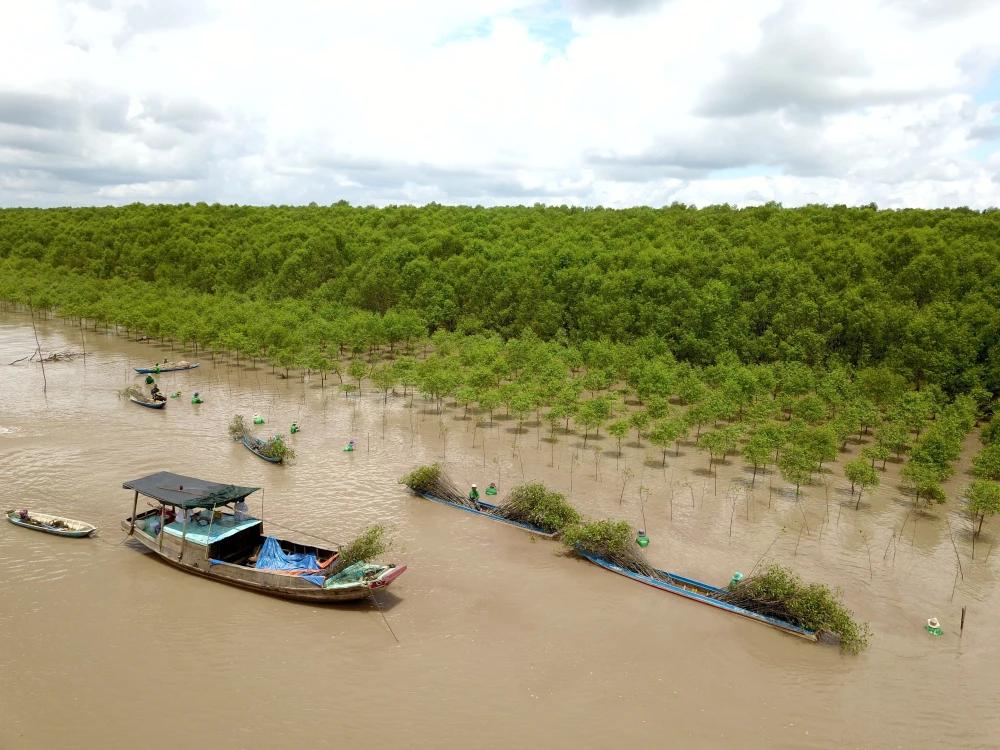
272	557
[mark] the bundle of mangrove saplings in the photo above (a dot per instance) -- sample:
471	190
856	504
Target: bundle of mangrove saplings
613	541
778	592
132	391
238	428
534	504
433	480
276	448
371	543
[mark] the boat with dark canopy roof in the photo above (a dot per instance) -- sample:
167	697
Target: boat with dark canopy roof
191	526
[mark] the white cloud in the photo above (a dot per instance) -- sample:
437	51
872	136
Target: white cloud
499	101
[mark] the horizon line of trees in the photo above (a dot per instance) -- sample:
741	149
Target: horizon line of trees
915	290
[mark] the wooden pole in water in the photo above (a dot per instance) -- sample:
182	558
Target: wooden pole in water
184	532
163	518
961	628
38	348
135	507
211	520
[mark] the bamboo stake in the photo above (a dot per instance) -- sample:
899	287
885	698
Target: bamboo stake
184	531
135	507
38	348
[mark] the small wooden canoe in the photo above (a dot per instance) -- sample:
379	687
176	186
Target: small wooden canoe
700	592
152	370
148	404
255	445
52	524
487	510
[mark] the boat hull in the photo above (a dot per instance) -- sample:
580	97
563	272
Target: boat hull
148	404
702	593
253	445
192	559
77	530
487	514
152	371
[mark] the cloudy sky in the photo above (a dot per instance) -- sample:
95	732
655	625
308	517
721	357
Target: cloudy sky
612	102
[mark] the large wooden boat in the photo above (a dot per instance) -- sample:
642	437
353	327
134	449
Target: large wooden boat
51	524
233	549
169	368
699	592
489	511
149	404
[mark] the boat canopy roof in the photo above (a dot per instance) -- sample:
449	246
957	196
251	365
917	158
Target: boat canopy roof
187	492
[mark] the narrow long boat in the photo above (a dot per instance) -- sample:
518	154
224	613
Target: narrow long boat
153	370
148	404
233	549
488	510
52	524
699	592
255	445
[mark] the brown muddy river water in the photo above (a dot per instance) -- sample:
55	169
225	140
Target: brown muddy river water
503	640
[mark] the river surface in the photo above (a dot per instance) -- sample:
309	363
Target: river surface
503	640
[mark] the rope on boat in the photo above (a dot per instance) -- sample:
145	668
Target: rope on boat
338	545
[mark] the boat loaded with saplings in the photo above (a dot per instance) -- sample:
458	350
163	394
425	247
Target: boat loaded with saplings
519	509
698	592
260	448
192	527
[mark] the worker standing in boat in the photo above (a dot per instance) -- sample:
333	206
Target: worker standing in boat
474	494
